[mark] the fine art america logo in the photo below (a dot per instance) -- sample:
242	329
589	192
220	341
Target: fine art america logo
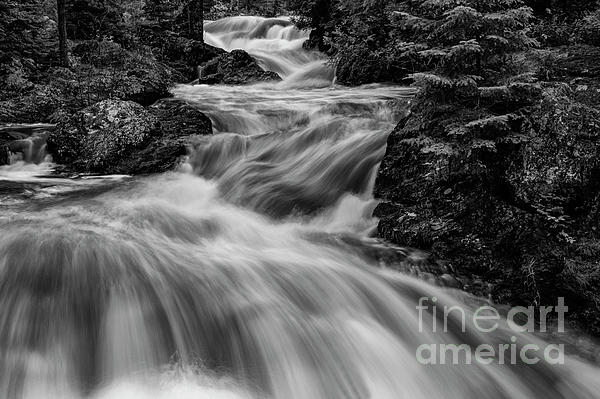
510	345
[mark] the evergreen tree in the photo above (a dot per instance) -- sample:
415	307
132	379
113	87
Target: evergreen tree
465	44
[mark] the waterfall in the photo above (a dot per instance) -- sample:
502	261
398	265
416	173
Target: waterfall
28	142
251	272
277	46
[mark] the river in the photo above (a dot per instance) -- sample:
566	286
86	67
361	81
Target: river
249	272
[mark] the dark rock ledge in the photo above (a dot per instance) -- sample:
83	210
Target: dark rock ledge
123	137
505	195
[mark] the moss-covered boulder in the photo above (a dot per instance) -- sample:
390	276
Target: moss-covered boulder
115	136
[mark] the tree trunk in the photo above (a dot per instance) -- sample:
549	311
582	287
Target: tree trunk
62	33
195	10
201	20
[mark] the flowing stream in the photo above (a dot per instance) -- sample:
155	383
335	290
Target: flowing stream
250	272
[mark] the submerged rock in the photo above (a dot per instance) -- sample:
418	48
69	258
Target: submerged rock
236	67
123	137
511	200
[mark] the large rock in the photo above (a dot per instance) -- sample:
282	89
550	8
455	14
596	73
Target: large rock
509	202
116	136
180	125
234	68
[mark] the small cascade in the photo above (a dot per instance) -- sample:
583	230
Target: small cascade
26	142
276	44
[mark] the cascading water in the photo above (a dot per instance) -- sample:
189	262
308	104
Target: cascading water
249	273
29	142
277	46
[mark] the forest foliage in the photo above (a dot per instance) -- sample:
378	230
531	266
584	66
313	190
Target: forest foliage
449	44
446	47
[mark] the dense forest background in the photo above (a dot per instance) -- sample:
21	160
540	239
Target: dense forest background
135	49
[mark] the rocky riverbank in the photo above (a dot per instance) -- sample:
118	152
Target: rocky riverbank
100	100
105	70
504	192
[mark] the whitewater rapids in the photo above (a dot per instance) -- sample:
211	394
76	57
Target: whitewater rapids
248	273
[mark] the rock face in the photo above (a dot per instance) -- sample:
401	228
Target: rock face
506	200
234	68
116	136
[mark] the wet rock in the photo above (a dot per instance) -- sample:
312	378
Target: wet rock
234	68
180	125
123	137
95	138
511	198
